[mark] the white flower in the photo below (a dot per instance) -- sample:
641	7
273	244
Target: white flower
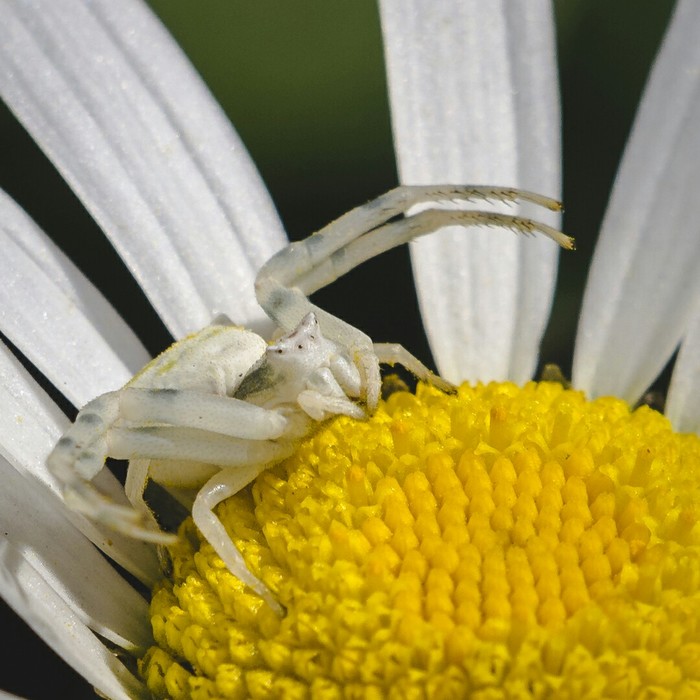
112	101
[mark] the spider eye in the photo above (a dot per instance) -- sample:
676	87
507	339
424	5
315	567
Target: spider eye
300	346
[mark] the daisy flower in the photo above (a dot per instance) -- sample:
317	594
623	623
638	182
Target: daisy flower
517	539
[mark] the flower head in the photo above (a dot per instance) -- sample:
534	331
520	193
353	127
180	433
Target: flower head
128	124
517	541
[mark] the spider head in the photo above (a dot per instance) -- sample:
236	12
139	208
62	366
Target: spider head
304	348
305	359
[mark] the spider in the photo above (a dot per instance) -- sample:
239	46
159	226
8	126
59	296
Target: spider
222	405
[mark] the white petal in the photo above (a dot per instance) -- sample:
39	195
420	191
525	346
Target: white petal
55	316
644	278
119	110
30	425
34	522
474	100
9	696
683	402
33	599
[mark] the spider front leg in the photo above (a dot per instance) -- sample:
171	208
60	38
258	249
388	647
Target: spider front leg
323	257
318	260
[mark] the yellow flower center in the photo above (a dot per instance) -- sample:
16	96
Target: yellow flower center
503	542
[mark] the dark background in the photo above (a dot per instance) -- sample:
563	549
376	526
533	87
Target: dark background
304	85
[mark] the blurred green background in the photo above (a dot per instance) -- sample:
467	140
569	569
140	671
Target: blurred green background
303	83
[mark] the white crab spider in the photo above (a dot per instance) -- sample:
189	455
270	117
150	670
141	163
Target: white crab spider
219	407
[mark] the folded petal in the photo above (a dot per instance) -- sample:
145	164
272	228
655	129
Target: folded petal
116	106
56	317
33	599
69	563
644	281
683	402
30	425
474	99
